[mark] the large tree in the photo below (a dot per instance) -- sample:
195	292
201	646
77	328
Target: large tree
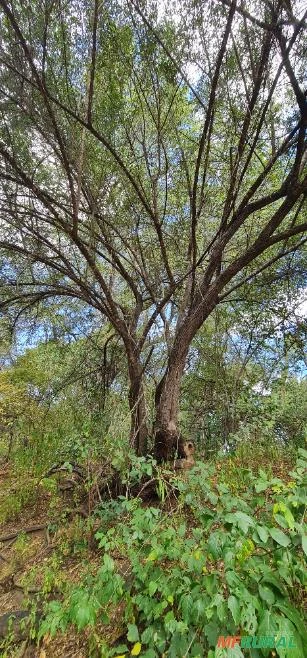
153	160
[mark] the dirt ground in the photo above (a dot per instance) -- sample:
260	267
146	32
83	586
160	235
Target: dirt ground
33	547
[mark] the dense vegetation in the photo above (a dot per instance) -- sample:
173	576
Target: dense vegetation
167	562
153	398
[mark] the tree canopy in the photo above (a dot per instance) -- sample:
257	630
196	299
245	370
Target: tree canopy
153	166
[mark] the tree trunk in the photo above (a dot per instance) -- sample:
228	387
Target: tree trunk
167	440
167	407
137	404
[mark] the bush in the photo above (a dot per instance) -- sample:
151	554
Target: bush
220	564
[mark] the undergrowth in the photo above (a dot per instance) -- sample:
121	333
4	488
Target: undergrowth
212	562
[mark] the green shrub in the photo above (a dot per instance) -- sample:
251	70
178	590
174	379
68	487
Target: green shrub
221	564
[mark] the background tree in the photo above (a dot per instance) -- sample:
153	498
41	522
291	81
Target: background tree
147	197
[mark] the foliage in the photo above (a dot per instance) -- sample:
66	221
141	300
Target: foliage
153	190
234	391
14	498
134	197
56	404
220	564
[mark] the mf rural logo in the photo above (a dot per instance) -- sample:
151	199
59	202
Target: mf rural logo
255	642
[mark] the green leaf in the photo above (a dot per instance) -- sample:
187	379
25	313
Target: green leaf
304	543
84	614
197	650
133	633
242	520
108	562
292	614
235	652
270	577
234	607
281	521
122	648
178	646
212	632
266	594
248	619
268	623
152	587
199	608
215	543
280	537
268	626
186	606
209	583
289	517
263	533
232	579
287	630
261	486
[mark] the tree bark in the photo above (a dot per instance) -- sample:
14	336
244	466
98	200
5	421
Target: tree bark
167	435
137	404
167	405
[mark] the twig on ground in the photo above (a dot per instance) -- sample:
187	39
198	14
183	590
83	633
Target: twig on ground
14	535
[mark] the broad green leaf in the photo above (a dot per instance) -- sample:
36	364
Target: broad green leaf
263	533
212	631
152	587
179	645
266	594
304	543
234	607
209	582
215	543
232	579
84	614
199	608
261	486
281	521
291	613
242	520
235	652
287	633
133	633
281	507
122	648
271	578
268	625
280	537
248	619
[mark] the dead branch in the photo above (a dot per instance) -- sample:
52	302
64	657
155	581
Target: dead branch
13	535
